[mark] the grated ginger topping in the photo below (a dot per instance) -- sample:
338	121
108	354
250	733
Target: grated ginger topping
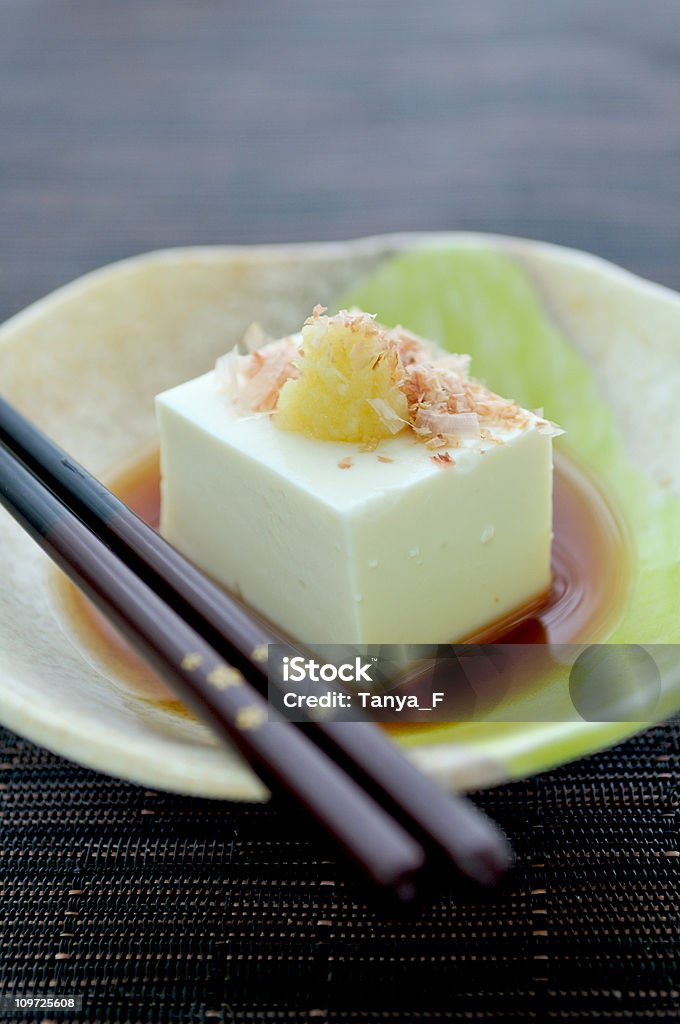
349	378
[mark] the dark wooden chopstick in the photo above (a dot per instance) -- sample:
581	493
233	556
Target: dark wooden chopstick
283	756
449	825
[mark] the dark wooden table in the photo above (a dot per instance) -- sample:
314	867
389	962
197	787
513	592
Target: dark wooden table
127	125
131	124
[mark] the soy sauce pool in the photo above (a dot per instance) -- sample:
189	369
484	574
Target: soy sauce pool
591	574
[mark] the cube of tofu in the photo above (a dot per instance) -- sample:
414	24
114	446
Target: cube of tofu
401	544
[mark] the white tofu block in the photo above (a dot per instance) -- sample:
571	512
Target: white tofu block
406	551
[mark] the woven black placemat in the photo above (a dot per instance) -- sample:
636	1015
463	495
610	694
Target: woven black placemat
162	908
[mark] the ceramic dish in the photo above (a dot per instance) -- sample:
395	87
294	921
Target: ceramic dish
595	345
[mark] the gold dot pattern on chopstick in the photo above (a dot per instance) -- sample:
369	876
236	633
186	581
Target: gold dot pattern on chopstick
260	653
250	717
223	676
192	660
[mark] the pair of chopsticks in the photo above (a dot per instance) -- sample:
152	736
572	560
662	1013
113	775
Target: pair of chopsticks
393	822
